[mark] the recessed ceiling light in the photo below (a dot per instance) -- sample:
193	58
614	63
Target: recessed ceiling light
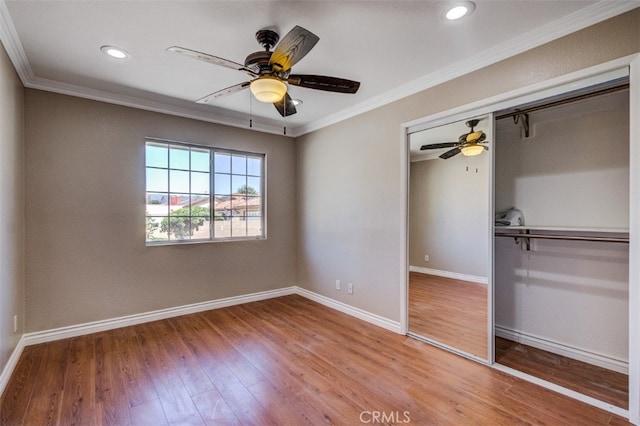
297	102
114	52
459	10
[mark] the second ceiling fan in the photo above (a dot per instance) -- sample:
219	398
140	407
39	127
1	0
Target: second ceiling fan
271	70
469	144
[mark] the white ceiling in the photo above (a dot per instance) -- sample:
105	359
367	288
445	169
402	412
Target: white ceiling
394	48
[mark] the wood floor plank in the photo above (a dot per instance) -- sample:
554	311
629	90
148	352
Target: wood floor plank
111	400
174	397
136	377
214	410
78	396
450	311
280	361
606	385
148	413
18	393
48	394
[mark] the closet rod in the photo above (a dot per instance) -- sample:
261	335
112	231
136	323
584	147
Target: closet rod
564	237
564	101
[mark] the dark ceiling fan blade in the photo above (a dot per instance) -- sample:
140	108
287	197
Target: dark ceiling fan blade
321	82
224	92
291	48
439	145
211	59
451	153
285	106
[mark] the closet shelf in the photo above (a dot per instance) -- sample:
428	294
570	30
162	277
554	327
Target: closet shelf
525	233
576	229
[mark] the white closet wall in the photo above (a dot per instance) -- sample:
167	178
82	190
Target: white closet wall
573	171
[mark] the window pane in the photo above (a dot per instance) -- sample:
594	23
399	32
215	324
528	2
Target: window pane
179	227
157	180
154	229
199	228
254	206
254	166
200	206
222	184
254	226
200	160
223	207
157	204
239	164
222	228
157	155
239	206
238	227
179	205
238	184
199	183
222	163
179	181
179	157
253	185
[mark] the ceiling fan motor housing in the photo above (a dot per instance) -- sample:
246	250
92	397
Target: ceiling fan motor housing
259	62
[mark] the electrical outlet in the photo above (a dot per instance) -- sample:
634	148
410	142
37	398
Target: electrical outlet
15	323
426	257
350	288
338	285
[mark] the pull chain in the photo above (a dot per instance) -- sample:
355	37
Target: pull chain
250	110
284	116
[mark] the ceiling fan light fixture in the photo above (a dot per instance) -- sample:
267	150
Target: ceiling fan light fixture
472	150
460	10
268	89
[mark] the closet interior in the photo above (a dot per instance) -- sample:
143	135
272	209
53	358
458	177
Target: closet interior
561	234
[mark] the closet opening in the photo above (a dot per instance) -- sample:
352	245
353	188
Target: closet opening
561	240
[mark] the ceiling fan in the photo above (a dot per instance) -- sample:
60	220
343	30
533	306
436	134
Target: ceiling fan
271	70
468	143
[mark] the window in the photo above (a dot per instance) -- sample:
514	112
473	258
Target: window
184	181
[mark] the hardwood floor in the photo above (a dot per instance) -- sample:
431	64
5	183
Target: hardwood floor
450	311
600	383
285	361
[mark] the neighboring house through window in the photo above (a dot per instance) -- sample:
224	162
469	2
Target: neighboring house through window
184	181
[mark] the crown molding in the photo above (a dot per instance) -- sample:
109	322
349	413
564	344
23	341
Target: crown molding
239	120
588	16
13	46
584	18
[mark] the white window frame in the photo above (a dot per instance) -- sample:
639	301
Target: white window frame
212	195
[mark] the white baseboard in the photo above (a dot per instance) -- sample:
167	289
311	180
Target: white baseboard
350	310
11	364
113	323
110	324
593	358
447	274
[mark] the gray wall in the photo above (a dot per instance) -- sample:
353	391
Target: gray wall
349	207
449	212
85	240
11	208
